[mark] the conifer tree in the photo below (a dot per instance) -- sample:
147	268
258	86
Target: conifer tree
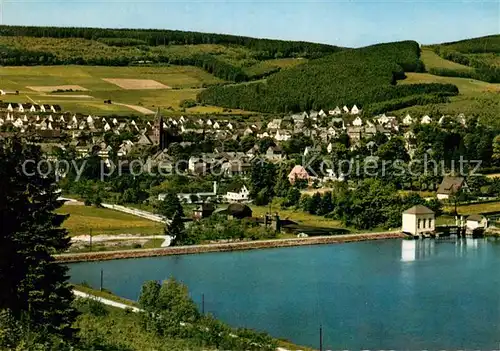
33	286
176	230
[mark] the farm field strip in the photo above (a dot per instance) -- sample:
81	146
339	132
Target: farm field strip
38	82
84	220
136	84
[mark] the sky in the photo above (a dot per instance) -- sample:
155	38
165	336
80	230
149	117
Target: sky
351	23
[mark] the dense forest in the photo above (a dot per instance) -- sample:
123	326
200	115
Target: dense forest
359	76
269	48
483	54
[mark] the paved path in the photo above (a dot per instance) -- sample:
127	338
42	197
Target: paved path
136	212
99	238
106	301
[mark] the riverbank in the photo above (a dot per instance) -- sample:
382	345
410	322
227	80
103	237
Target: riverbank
226	247
118	303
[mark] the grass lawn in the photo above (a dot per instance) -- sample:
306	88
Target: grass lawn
84	219
433	60
475	208
466	86
298	216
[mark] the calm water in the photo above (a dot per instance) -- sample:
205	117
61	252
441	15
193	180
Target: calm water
374	295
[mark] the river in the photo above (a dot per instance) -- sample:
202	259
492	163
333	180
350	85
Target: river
388	294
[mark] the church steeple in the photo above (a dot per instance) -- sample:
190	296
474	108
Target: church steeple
159	132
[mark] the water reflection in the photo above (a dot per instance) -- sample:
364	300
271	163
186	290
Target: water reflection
412	250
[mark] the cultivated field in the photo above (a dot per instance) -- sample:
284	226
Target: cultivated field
53	88
138	86
84	219
466	86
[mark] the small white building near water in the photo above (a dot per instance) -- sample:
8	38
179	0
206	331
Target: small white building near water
418	220
476	221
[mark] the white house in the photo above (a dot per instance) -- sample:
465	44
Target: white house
451	185
335	111
407	120
282	135
425	120
18	123
238	193
358	122
321	114
355	110
274	124
418	220
345	109
476	221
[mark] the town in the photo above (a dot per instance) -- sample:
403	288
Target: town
225	160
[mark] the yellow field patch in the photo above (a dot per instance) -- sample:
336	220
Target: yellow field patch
52	88
136	84
84	220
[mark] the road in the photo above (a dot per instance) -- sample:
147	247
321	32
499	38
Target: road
106	301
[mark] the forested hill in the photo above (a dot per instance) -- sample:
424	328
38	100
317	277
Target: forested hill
365	77
482	54
229	57
268	48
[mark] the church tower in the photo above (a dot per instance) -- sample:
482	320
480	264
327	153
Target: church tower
159	132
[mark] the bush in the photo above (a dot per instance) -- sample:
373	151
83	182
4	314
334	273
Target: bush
188	103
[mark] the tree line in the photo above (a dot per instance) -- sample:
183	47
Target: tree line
470	53
268	48
26	57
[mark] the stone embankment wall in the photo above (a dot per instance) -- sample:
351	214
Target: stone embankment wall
196	249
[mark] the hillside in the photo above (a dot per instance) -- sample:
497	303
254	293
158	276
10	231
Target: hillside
366	77
478	97
232	58
481	55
